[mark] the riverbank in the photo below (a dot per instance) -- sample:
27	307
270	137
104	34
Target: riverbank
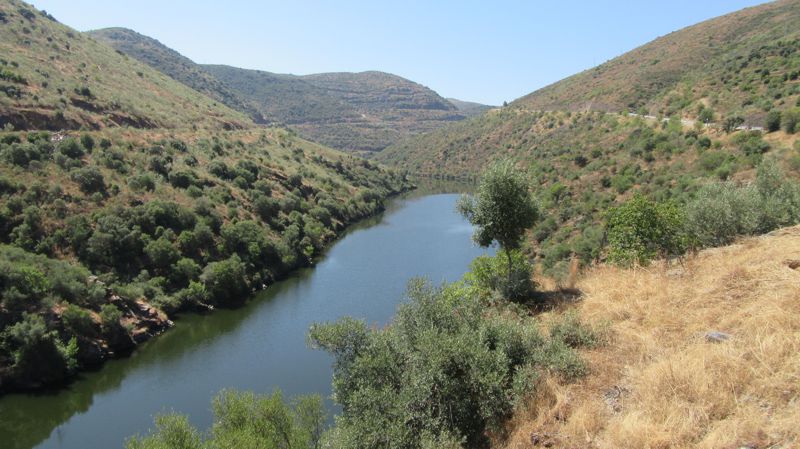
135	319
259	346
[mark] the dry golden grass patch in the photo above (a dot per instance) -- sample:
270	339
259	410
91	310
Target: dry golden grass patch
659	383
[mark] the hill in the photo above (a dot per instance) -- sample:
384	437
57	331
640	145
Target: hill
53	77
742	63
146	202
583	162
469	108
703	355
173	64
364	111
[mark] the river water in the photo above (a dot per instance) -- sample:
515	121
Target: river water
259	347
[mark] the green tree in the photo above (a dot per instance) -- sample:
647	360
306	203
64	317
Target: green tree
501	210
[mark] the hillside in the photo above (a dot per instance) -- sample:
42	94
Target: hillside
741	63
469	108
584	162
150	199
364	111
53	77
664	378
173	64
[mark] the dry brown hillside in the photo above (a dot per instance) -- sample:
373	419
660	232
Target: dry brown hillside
660	381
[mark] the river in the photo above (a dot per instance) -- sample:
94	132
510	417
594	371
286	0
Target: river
259	347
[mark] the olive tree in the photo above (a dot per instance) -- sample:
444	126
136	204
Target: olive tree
501	210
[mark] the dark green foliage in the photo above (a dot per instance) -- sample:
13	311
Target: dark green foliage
89	180
38	354
226	281
446	369
70	148
243	420
640	229
773	121
78	320
87	142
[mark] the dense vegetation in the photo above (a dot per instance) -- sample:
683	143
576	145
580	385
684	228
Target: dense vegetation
96	229
53	77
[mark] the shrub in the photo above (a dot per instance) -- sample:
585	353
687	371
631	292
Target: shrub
39	356
78	320
225	281
243	420
790	119
446	367
89	180
490	274
640	230
773	121
720	212
70	148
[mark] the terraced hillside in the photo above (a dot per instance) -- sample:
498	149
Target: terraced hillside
364	111
53	77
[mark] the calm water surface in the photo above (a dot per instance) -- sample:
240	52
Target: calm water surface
259	347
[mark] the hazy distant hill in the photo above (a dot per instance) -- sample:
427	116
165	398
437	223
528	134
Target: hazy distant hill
54	77
469	108
174	64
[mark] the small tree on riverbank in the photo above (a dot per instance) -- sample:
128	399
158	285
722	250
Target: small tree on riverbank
501	210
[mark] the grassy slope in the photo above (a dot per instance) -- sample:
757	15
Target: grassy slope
713	62
173	64
659	383
69	80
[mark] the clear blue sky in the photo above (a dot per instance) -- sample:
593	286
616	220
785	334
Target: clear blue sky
485	51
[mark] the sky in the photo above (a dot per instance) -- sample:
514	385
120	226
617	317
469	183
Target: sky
483	51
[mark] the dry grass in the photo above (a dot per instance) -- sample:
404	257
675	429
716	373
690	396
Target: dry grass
659	383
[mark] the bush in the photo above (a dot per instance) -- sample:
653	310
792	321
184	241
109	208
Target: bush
70	148
225	281
39	356
446	367
89	180
490	275
78	320
640	229
243	420
773	121
790	119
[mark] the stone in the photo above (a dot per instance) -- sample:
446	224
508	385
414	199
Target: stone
717	337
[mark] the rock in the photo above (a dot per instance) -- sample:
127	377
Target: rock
716	337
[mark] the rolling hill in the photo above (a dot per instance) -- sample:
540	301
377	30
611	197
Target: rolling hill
355	111
53	77
350	111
